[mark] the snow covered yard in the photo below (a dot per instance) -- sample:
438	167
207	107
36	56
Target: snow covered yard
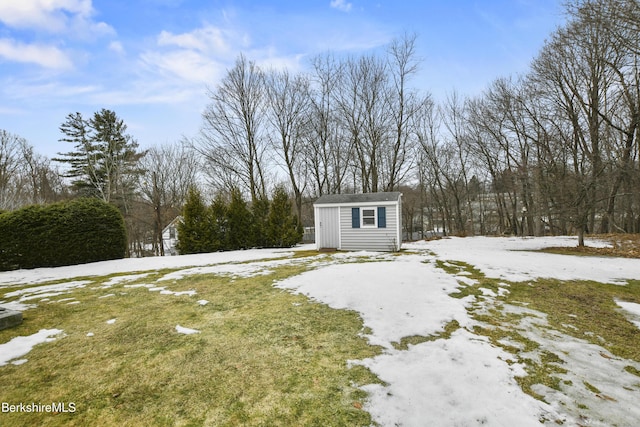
459	332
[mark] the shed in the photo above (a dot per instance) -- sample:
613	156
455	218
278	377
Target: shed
369	221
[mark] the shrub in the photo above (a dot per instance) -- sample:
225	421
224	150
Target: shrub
283	228
239	223
233	225
66	233
194	231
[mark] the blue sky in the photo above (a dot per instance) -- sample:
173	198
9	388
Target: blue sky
151	60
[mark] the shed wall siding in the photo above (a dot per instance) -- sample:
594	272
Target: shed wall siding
365	238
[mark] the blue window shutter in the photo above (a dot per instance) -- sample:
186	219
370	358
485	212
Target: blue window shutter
382	217
355	217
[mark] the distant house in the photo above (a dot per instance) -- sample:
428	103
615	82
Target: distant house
370	221
170	236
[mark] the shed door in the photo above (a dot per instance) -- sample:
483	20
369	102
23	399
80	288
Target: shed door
329	223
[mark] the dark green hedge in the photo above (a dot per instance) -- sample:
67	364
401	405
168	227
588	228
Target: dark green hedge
66	233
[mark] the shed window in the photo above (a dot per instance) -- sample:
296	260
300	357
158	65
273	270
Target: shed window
368	217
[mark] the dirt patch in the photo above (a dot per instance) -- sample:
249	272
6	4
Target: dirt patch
622	245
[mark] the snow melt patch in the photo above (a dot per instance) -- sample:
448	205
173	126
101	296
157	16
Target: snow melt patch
396	299
514	259
633	311
162	289
186	331
130	265
460	381
615	401
20	346
121	279
39	292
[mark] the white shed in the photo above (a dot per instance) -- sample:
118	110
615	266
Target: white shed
369	221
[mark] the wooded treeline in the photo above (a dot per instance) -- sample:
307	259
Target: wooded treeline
551	151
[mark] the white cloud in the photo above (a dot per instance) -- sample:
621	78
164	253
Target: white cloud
183	64
197	56
43	55
52	15
116	46
341	5
207	39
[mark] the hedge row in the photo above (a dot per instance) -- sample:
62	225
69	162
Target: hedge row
66	233
229	225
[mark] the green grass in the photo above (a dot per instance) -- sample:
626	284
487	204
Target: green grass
583	309
449	328
590	309
263	357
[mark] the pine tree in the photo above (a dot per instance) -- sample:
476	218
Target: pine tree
260	215
194	231
218	213
104	162
284	230
239	223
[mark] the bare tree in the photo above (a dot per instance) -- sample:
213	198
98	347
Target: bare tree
232	138
25	176
288	114
10	184
328	151
403	105
169	171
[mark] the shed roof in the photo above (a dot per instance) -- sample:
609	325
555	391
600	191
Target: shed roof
391	196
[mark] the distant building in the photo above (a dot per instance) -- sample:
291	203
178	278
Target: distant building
170	236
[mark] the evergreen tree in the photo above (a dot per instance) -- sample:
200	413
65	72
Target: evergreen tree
239	223
284	229
218	213
194	231
260	215
104	162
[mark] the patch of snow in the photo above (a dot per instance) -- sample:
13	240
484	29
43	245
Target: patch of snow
161	289
186	331
73	303
44	292
107	296
513	259
633	311
20	346
396	299
111	321
120	279
461	381
466	280
126	265
488	292
616	402
16	305
503	291
203	302
90	334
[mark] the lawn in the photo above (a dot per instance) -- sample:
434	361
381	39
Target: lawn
262	355
474	331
